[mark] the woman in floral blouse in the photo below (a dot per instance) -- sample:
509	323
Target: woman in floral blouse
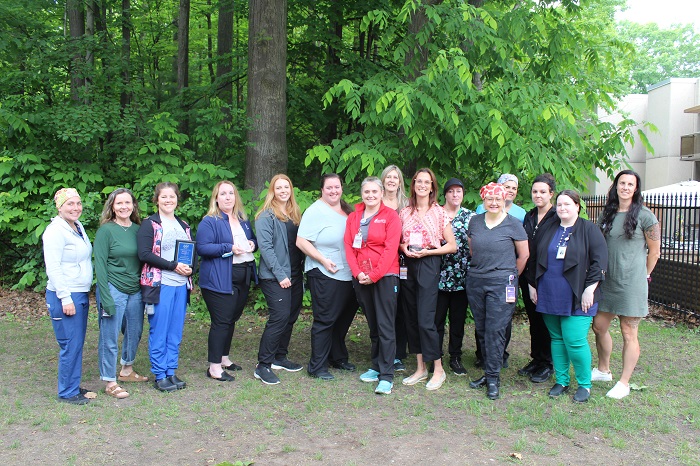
452	294
426	235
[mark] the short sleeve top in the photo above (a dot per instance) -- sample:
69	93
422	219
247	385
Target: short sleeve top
453	270
325	228
493	249
430	227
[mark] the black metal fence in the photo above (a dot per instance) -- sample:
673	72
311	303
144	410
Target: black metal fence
675	281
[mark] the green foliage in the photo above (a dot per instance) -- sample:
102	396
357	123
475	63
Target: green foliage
661	53
542	73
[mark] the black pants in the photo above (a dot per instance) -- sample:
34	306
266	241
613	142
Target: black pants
334	307
284	305
378	302
400	326
224	310
454	302
492	317
420	302
540	341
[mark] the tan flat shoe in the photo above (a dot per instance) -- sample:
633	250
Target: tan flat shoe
415	378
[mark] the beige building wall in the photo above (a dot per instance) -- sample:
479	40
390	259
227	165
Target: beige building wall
663	107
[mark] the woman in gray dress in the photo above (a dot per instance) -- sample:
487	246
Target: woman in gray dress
633	236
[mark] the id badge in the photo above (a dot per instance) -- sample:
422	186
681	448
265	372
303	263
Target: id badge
357	242
403	272
561	252
511	295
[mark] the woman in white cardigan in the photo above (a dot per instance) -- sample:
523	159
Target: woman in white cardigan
67	254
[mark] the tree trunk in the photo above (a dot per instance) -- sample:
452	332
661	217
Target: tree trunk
183	53
417	59
267	102
76	26
125	98
224	47
210	44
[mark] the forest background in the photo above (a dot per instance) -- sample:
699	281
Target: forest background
99	94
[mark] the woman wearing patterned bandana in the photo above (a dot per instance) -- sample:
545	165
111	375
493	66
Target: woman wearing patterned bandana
498	244
67	251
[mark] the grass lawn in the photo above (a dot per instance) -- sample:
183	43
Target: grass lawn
308	421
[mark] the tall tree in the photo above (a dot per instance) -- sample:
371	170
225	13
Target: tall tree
224	47
183	59
267	83
76	25
662	53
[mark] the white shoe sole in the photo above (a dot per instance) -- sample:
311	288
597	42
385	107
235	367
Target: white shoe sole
277	368
255	374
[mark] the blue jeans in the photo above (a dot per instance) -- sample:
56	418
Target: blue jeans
70	336
165	334
128	319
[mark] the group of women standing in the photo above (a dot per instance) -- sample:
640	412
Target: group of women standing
405	260
135	265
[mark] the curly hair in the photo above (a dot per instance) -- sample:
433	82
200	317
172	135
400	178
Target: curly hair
613	204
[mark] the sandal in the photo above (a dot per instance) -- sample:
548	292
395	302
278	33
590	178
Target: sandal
132	377
117	392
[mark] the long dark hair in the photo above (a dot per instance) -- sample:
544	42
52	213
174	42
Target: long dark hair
613	204
344	206
432	198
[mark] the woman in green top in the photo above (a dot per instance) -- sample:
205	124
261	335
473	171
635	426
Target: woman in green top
633	235
117	267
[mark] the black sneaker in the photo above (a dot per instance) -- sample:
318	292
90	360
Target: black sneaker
399	366
179	384
78	399
164	385
287	365
265	375
457	367
344	366
542	374
531	367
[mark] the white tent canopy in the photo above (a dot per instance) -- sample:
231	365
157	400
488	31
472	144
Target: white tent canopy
684	193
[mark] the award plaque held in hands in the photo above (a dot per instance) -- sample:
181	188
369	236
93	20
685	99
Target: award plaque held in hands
184	252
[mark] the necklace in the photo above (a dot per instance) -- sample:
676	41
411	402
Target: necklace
125	228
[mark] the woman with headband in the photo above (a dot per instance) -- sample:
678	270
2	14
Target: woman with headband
67	252
498	244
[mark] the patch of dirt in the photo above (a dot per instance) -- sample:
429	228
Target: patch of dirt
23	305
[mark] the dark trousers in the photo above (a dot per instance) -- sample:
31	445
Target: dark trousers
420	302
378	302
224	310
492	317
455	303
400	326
334	307
540	340
284	305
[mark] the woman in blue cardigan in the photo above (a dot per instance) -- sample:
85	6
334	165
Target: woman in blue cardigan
225	242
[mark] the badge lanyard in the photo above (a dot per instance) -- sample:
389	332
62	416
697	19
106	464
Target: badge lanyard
563	244
511	295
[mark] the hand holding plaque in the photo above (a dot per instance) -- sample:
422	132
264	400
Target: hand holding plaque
184	252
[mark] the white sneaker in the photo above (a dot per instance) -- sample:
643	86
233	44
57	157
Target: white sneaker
598	376
619	391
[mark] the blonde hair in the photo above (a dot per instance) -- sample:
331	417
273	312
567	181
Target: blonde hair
291	212
238	210
401	197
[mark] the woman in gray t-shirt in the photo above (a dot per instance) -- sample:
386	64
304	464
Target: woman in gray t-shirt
498	244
